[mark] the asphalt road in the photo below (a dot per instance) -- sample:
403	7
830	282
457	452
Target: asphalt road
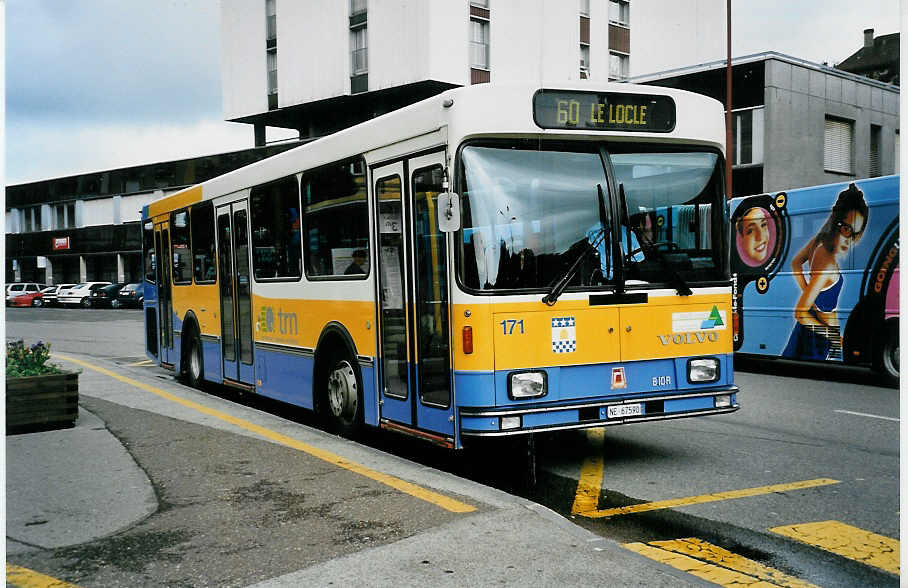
798	424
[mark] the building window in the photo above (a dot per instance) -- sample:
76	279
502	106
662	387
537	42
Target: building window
585	8
360	64
876	138
272	72
619	12
617	66
747	130
482	3
895	169
64	216
357	7
479	44
584	62
30	219
270	20
271	51
837	146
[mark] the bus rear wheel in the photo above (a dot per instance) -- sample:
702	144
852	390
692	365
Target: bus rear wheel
343	404
890	354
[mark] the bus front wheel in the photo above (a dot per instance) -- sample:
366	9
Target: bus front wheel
343	405
195	370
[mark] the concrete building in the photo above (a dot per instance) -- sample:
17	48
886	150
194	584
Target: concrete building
87	227
322	65
798	123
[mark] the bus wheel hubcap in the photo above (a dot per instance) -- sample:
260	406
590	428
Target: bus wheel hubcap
342	391
195	362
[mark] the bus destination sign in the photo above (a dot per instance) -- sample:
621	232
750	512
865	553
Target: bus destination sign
603	111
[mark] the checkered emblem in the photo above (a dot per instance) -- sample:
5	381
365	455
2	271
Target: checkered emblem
564	335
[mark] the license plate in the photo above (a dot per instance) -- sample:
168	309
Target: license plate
625	410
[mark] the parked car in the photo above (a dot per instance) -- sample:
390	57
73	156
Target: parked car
20	288
49	294
79	294
105	296
29	298
130	295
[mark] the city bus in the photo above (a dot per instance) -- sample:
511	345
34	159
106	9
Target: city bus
816	274
496	260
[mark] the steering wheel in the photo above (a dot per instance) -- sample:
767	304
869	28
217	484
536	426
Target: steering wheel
661	245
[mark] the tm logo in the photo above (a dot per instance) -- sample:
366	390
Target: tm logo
286	323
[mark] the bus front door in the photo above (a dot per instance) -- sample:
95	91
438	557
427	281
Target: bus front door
235	293
414	362
165	301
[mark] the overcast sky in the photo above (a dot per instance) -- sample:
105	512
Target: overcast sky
101	84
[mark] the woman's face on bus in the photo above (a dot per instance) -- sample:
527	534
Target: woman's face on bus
755	233
849	231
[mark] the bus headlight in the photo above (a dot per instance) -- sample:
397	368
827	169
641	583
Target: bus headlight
705	369
527	385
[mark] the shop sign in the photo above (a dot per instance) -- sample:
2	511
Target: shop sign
61	243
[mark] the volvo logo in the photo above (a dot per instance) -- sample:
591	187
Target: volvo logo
685	338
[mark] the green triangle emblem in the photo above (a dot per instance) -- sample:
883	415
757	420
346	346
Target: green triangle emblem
716	317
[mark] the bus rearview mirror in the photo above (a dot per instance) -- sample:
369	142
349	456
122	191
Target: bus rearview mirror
448	212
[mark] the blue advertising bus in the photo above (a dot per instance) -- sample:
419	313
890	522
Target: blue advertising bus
815	273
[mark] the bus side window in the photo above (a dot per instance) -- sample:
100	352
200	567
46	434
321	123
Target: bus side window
201	223
275	221
179	236
335	217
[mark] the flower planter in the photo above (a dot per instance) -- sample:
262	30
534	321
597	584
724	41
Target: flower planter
42	402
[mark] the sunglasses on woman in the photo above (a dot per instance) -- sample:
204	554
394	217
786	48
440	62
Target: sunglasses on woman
847	230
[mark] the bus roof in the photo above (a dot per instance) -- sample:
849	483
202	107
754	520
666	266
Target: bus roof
457	114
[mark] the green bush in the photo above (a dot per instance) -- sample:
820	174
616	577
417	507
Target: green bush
22	361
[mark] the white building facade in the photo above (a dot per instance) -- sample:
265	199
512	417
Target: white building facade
321	65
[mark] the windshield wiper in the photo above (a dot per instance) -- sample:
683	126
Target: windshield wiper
676	280
592	245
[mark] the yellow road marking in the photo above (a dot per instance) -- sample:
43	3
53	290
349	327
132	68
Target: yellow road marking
857	544
690	500
714	564
26	578
435	498
590	484
141	363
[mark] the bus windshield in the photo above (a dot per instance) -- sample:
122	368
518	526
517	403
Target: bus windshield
672	217
530	214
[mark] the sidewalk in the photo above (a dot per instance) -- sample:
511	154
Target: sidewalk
194	500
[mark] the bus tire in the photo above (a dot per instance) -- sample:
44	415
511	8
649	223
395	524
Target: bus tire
889	354
342	396
195	366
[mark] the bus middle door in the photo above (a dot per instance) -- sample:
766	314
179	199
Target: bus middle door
235	293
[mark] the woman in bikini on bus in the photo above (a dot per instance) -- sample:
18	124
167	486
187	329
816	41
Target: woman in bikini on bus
816	334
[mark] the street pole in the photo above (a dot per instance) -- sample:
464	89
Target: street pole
728	135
